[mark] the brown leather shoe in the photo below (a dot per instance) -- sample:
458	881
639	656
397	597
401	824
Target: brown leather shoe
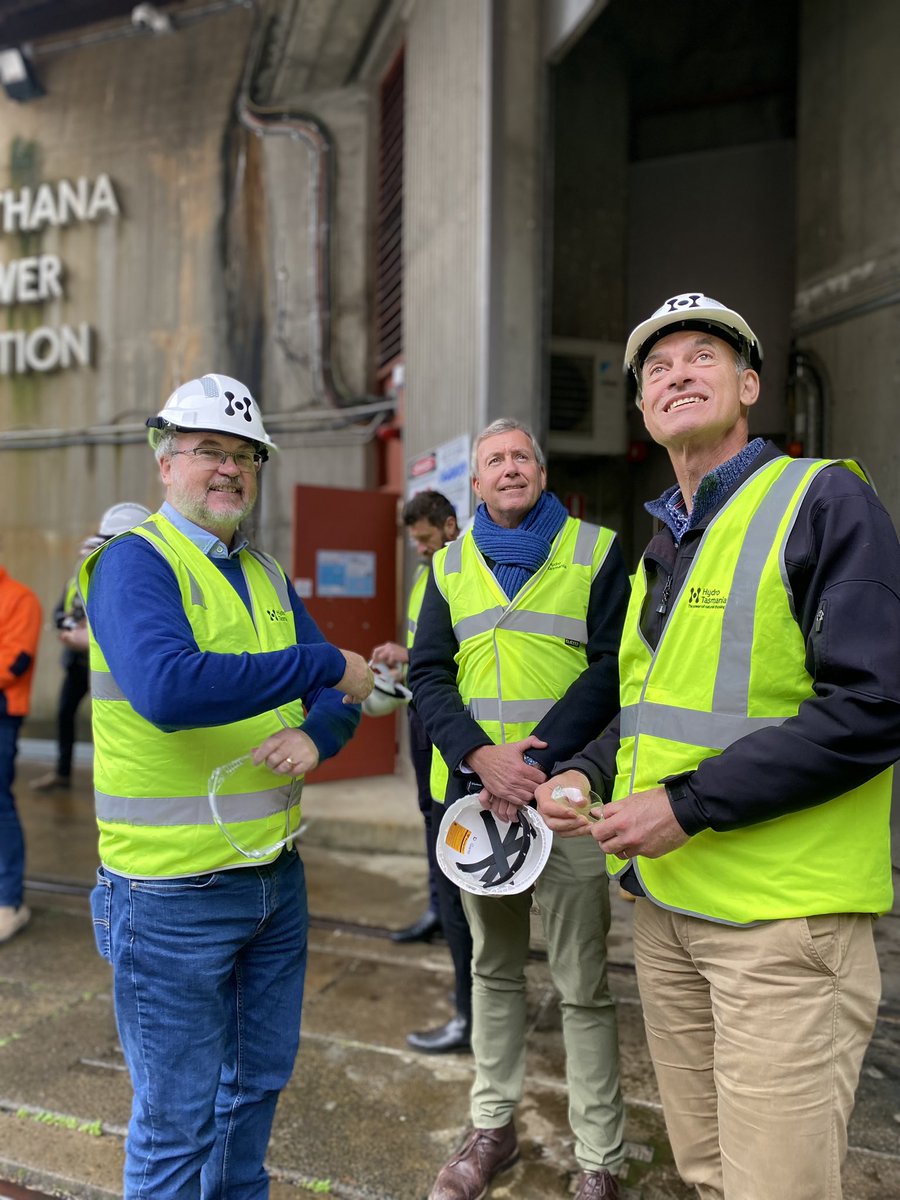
597	1185
484	1154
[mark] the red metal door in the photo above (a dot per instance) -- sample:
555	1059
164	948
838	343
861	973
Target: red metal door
345	547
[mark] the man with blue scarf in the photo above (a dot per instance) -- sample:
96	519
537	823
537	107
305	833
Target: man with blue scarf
515	659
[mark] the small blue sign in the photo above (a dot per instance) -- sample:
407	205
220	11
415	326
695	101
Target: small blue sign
345	573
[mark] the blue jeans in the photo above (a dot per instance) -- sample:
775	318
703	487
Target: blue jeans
12	843
208	981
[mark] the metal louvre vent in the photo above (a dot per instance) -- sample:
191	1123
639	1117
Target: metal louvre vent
587	397
571	393
389	221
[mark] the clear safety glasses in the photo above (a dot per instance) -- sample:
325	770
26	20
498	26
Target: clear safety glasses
218	779
592	807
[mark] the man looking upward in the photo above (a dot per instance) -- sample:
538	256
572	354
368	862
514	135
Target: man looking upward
760	716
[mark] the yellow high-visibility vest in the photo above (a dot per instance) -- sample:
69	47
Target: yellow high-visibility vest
731	660
518	656
151	787
416	596
439	773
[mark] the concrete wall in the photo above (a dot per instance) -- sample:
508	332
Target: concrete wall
738	247
445	219
211	265
273	249
151	283
848	267
472	217
590	192
589	135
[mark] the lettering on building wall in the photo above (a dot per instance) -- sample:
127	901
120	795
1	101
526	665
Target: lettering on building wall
36	279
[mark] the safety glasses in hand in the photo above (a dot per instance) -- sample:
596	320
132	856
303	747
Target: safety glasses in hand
223	807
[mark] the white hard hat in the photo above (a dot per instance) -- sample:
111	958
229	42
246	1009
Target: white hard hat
90	544
692	310
490	857
121	517
215	404
387	695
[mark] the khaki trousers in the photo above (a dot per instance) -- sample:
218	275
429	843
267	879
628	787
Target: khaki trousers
573	898
757	1036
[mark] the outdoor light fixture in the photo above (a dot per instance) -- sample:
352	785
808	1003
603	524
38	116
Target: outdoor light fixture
17	75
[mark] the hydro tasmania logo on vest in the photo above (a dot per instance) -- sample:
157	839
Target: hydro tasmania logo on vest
276	614
700	596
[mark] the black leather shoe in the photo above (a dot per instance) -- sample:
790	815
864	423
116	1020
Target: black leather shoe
456	1036
422	930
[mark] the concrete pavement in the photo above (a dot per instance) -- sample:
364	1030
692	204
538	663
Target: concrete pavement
363	1118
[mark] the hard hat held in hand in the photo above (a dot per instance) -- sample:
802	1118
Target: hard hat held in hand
388	693
488	856
212	404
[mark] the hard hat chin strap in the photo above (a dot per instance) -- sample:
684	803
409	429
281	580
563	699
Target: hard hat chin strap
507	853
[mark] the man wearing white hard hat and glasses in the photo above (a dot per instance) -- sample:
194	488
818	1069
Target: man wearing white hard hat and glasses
213	694
750	771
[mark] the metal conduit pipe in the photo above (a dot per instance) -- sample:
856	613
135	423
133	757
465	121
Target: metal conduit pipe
129	29
337	423
862	309
807	384
304	127
319	426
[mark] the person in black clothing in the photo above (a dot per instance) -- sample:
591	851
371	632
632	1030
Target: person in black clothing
430	520
71	625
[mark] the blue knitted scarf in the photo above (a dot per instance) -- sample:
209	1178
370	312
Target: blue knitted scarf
518	553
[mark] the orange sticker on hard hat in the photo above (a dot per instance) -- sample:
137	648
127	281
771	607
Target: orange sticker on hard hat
457	837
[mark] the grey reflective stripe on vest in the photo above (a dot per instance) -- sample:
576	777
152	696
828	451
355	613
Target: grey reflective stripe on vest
732	687
482	622
411	627
715	730
104	687
196	590
190	810
276	578
509	712
453	557
522	620
585	541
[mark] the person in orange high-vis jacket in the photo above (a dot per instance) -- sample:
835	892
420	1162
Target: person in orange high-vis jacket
20	628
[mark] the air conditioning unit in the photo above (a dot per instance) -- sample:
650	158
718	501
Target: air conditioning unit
587	397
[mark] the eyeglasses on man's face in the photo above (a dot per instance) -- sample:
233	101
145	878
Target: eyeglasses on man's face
208	456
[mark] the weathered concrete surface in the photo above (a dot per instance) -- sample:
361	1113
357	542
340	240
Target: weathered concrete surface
363	1116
